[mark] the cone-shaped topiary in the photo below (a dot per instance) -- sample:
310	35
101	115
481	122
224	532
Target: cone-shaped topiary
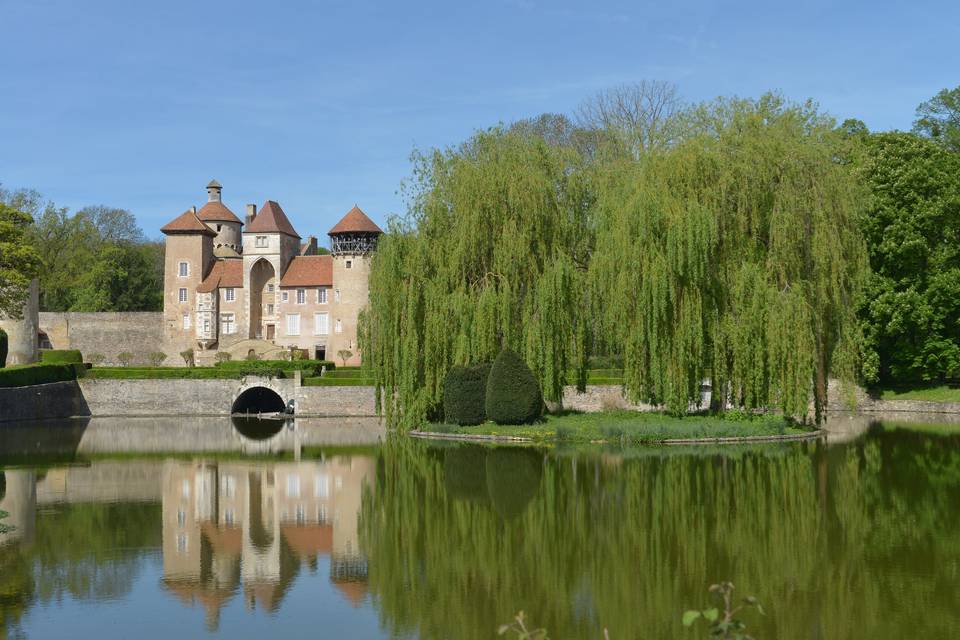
513	393
3	348
464	394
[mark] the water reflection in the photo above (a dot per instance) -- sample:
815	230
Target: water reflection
227	524
225	529
854	536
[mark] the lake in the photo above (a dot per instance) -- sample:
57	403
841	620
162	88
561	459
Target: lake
158	528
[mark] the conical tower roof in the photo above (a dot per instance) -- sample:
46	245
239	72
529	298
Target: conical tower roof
356	221
187	223
271	219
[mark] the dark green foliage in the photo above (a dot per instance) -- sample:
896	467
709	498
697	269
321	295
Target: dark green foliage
464	394
4	346
911	306
61	356
513	394
513	477
309	368
30	374
464	473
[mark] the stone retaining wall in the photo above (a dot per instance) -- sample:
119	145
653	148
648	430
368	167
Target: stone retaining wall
42	402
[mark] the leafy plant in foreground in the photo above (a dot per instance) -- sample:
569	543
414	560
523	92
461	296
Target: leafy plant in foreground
724	624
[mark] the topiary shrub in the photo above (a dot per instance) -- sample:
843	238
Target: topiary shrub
465	393
222	356
96	359
513	394
61	356
156	358
187	355
4	346
125	358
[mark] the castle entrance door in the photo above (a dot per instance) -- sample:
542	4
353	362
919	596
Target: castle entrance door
271	331
320	352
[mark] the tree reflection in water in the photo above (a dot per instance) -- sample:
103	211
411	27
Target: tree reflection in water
857	540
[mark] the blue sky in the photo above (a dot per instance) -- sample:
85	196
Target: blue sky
318	104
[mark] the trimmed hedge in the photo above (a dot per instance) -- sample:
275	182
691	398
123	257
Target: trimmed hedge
464	394
330	381
513	394
306	367
4	345
182	373
61	356
44	373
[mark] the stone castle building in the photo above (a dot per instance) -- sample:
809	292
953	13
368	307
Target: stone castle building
254	286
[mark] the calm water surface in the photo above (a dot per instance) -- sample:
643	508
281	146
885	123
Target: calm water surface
193	528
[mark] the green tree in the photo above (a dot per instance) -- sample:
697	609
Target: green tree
911	310
19	262
939	119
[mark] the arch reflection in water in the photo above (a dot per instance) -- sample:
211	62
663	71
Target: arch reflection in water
254	428
233	524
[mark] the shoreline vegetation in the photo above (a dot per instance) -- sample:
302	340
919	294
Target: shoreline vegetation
631	428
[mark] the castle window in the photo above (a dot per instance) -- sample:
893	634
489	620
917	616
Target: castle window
285	296
186	321
349	264
229	294
228	323
218	228
301	296
336	295
269	309
339	326
260	241
182	297
322	295
206	326
321	324
184	269
270	288
293	324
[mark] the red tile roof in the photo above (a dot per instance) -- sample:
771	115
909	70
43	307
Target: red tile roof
309	271
217	211
271	219
356	221
187	222
225	273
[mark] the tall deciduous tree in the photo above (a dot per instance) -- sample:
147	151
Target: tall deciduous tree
19	262
911	309
939	119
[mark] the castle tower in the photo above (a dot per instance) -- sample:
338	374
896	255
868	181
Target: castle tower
352	241
187	259
269	244
223	221
22	333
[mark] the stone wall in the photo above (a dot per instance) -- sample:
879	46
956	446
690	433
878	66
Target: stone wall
609	397
109	333
42	402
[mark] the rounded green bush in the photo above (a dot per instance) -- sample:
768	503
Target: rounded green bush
3	348
61	356
513	393
464	394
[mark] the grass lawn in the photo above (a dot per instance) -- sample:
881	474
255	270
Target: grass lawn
628	427
943	393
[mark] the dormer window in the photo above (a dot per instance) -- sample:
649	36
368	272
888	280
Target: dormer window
260	241
184	269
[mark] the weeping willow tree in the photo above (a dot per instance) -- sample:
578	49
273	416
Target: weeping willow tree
733	257
494	254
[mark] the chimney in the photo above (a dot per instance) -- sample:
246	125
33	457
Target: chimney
251	213
310	248
194	209
213	191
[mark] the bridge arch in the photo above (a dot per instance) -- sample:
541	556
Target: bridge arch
258	399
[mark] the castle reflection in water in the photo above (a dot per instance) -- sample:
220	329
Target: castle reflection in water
229	528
